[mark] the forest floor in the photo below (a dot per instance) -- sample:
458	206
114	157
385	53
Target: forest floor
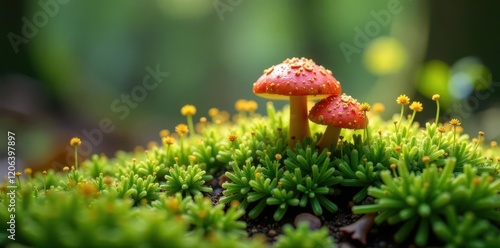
265	226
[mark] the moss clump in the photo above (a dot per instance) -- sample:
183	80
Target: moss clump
431	180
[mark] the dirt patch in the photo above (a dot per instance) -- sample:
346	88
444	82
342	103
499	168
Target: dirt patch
265	226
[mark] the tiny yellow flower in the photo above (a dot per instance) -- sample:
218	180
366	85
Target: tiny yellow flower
493	144
240	105
18	174
164	133
278	156
223	116
403	100
233	137
435	97
251	106
65	168
182	129
416	106
28	171
191	158
152	144
75	141
203	119
455	122
441	129
138	149
365	107
88	189
172	204
188	109
108	180
168	140
212	112
426	159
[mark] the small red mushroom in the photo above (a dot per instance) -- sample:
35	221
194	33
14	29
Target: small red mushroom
297	79
336	112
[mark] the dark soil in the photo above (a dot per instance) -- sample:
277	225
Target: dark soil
266	226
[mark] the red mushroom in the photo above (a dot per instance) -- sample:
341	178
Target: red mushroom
296	79
336	112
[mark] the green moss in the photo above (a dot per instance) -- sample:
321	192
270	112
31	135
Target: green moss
431	180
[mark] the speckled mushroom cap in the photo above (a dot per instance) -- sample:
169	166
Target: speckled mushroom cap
296	77
339	111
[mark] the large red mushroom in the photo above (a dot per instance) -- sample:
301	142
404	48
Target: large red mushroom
336	112
295	80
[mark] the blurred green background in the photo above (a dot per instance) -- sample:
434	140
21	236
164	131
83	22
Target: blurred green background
67	64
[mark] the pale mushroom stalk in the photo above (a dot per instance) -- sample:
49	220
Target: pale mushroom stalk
329	139
299	123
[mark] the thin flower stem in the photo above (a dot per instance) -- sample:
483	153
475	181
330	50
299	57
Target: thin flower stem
400	117
76	157
437	112
190	125
454	137
412	118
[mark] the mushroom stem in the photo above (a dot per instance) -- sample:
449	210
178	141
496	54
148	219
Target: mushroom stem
329	139
299	124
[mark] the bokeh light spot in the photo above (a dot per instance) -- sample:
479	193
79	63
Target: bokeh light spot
433	79
460	85
385	55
